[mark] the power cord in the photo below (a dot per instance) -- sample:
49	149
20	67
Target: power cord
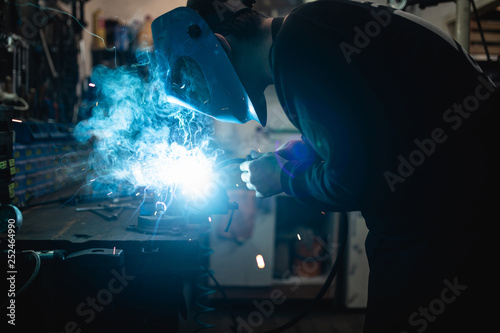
328	281
33	275
324	288
326	285
13	98
333	272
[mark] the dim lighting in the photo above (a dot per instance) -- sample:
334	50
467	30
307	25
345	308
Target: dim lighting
260	261
92	85
323	213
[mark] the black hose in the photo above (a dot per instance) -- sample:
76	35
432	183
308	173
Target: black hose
480	28
326	285
331	275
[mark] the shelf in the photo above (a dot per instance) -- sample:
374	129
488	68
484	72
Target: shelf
295	287
302	280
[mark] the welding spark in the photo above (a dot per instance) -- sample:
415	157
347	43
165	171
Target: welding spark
145	138
298	236
161	207
17	120
260	261
92	85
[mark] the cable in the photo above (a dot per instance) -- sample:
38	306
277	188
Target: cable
206	291
481	32
230	220
226	300
317	298
33	275
326	285
22	108
13	98
329	279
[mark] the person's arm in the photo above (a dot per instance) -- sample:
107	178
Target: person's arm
296	150
305	176
315	186
312	173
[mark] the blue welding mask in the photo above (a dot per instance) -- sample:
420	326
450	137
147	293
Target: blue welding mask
197	71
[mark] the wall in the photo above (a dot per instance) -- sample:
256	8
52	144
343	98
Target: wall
439	15
125	11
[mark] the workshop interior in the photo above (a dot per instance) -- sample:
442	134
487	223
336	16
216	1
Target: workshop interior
123	209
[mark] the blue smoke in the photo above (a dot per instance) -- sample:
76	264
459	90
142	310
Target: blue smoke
141	139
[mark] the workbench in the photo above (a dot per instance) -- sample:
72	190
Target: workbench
113	277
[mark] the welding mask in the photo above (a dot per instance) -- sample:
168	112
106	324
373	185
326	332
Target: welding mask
196	69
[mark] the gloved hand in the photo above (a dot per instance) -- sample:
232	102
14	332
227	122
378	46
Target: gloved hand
296	150
263	173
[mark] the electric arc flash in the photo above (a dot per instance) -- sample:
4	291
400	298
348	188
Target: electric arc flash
142	138
260	261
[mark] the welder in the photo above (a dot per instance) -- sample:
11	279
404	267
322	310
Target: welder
397	121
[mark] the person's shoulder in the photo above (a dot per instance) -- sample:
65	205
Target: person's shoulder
328	13
322	5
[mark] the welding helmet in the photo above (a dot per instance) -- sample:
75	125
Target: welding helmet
196	69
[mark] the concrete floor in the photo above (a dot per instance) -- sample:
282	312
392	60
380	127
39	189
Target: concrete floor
319	320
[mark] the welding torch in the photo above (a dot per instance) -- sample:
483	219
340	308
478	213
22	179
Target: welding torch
225	163
230	161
